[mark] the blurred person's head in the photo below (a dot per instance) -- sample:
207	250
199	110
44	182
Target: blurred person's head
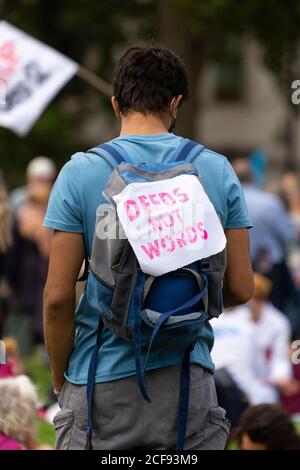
262	289
11	347
150	81
40	175
243	170
18	409
267	427
5	222
14	364
290	193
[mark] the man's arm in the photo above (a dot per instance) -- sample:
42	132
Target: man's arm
66	257
238	285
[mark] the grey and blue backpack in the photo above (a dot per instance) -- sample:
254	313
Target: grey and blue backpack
139	307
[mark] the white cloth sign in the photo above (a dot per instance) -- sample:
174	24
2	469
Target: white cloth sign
169	223
31	74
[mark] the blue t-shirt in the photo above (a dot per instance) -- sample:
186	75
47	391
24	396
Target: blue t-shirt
72	208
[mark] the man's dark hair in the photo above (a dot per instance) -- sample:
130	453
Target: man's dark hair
148	78
269	425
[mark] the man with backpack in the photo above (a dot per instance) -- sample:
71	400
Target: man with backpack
163	223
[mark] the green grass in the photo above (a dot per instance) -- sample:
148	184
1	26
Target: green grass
39	372
298	427
45	433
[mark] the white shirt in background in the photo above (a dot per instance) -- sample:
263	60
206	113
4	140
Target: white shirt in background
240	346
272	332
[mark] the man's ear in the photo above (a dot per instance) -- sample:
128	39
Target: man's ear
175	103
115	106
178	100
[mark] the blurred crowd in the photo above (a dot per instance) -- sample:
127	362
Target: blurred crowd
24	252
256	351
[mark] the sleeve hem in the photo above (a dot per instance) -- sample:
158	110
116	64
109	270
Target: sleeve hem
52	224
239	225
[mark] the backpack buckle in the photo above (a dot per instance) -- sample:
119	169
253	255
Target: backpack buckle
205	265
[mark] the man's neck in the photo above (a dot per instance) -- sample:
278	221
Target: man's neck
138	123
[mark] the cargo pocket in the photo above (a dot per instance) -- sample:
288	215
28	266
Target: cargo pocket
63	424
216	429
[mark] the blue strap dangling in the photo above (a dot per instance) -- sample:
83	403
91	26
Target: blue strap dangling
185	367
90	387
162	319
184	396
137	333
176	312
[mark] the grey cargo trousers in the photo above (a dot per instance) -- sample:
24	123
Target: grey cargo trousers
122	420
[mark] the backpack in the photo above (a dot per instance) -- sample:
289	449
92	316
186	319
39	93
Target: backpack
133	302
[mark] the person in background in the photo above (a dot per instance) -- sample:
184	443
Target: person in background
14	363
252	343
267	427
291	402
290	194
18	414
273	333
5	242
270	236
234	357
40	169
26	263
5	232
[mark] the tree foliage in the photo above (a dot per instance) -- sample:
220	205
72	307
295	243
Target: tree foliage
275	24
93	32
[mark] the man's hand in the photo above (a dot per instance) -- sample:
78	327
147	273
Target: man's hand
66	257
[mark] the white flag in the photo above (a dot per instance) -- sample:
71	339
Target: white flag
31	74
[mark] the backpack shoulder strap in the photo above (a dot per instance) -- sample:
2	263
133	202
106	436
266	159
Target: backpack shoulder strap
187	151
110	154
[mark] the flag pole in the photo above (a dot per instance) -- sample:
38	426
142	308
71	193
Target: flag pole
95	81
